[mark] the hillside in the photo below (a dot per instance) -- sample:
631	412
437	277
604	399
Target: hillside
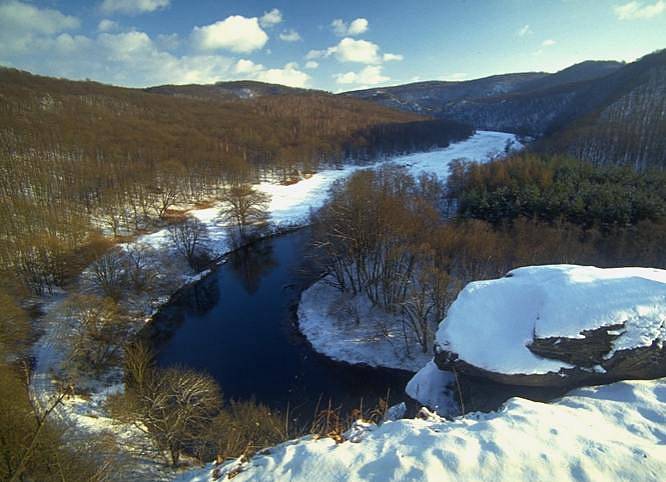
601	111
78	157
241	89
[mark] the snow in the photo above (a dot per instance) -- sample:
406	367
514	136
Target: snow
349	329
291	204
491	322
612	432
435	389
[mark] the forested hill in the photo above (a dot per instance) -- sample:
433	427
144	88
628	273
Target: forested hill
604	112
241	89
476	99
621	119
77	156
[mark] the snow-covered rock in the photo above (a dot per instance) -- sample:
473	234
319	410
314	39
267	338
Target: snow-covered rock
607	433
558	325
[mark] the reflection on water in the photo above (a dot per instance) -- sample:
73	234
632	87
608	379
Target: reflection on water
238	324
250	263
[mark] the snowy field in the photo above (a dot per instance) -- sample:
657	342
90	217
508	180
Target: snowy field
609	433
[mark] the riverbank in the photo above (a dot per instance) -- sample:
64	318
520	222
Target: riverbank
290	206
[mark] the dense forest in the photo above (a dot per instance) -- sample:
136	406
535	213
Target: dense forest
81	157
409	245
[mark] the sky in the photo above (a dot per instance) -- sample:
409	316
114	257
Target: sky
335	45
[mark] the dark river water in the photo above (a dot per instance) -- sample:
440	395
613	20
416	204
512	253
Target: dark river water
239	325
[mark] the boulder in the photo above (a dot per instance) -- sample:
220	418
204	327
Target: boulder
559	325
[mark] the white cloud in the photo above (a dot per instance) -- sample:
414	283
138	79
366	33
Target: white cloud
369	75
355	27
392	57
289	75
548	43
273	17
24	27
107	25
168	41
316	54
236	33
361	51
131	7
524	30
245	67
636	10
290	35
311	64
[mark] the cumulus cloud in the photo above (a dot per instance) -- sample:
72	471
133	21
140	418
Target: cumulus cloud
351	50
236	33
273	17
290	35
353	28
131	7
392	57
316	54
24	26
636	10
107	25
311	64
245	67
548	43
168	41
289	75
369	75
524	30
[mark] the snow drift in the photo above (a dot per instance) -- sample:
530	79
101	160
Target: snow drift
613	432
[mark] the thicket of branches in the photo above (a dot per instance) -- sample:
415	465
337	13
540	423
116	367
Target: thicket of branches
409	245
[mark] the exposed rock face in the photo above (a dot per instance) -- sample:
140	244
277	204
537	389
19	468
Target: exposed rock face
527	332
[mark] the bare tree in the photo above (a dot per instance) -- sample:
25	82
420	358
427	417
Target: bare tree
245	211
109	273
188	238
98	329
139	271
176	409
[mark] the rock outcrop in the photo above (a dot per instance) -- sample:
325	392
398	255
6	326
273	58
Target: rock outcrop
558	325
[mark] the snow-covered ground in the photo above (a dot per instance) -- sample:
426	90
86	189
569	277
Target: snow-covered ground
350	330
491	322
291	204
608	433
328	321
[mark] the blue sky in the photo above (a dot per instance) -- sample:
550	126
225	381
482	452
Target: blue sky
334	45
